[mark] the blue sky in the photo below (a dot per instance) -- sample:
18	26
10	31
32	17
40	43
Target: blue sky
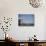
27	18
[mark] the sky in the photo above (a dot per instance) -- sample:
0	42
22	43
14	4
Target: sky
27	18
